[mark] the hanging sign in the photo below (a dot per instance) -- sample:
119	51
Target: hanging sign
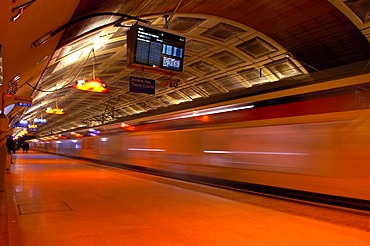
14	98
23	104
32	129
142	85
39	121
22	123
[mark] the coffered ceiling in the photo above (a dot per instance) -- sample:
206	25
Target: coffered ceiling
231	47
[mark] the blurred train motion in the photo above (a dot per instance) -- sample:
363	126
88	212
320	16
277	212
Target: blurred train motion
313	140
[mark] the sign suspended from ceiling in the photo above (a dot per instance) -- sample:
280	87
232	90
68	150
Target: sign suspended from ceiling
14	99
32	128
142	85
155	49
39	121
23	104
22	123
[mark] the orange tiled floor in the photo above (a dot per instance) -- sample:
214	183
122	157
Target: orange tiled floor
58	201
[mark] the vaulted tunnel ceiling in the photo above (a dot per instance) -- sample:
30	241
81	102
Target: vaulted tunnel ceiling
231	47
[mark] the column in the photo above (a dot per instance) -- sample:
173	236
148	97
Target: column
4	125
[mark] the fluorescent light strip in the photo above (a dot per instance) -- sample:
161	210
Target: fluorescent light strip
155	150
209	111
252	153
219	110
217	152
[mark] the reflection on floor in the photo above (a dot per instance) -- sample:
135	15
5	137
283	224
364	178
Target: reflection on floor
53	200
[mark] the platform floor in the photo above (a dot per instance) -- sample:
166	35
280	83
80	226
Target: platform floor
51	200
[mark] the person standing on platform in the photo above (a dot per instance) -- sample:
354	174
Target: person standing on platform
26	146
10	145
10	148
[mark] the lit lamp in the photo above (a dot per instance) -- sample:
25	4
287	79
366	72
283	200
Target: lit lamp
32	126
49	111
94	84
127	127
54	110
58	111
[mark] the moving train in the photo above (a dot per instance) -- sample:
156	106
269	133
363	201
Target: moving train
310	142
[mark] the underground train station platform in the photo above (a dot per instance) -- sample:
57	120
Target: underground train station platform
53	200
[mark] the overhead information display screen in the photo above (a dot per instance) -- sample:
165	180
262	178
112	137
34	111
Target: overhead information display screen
155	49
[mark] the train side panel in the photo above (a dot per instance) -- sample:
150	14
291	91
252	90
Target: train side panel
326	153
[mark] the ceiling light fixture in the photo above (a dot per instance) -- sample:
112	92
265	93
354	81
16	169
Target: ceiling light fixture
13	85
55	110
41	60
20	9
94	84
